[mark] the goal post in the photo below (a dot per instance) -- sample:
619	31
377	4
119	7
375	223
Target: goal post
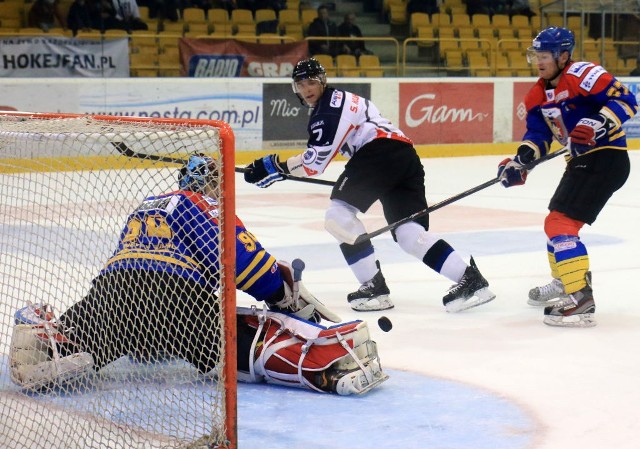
68	182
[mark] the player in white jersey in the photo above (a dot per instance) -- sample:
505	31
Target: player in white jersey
383	165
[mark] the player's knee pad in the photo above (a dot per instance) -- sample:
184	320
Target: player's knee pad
340	221
34	360
414	239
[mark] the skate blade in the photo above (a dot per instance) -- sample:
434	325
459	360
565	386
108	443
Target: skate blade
479	297
371	305
374	384
580	320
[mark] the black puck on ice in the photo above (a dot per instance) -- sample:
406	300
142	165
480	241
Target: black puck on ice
385	323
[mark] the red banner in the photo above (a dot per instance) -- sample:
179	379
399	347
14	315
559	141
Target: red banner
447	112
520	89
231	58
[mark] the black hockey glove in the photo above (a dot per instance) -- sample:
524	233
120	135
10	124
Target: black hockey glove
265	171
510	171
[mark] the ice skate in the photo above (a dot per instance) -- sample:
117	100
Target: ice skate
471	291
372	295
547	294
575	310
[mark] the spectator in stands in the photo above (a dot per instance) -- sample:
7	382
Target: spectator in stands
636	71
498	7
348	28
323	26
128	14
478	7
103	15
79	17
168	9
520	7
426	6
45	14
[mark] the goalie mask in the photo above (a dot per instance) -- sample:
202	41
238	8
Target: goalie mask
199	171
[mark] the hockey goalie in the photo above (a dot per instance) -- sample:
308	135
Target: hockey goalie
157	295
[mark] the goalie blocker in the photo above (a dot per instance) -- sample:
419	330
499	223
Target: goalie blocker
273	347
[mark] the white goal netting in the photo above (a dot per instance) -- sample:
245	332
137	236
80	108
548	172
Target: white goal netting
68	184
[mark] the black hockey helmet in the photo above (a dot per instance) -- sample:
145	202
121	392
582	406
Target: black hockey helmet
308	69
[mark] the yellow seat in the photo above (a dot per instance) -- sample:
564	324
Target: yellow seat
287	16
326	61
194	15
426	32
500	21
520	21
453	59
245	32
417	20
307	16
347	65
242	17
115	33
93	34
294	31
398	15
481	21
143	61
218	15
197	28
460	20
265	14
370	66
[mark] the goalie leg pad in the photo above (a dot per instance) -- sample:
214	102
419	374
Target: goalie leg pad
293	352
35	363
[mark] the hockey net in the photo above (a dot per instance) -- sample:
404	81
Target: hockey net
68	183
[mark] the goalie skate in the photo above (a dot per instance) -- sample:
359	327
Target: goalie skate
372	295
356	381
575	310
547	294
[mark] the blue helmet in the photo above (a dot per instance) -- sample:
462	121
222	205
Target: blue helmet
554	39
195	174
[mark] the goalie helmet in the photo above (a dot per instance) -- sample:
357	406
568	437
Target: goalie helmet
197	172
308	69
555	40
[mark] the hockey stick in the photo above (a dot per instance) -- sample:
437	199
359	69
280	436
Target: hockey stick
125	150
367	236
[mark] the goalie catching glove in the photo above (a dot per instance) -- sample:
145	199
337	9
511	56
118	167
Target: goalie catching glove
297	300
265	171
511	172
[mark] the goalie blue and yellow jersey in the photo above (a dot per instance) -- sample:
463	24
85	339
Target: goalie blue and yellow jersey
178	233
584	90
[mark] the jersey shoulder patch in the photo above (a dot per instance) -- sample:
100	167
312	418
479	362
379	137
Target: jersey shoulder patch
337	98
577	69
591	77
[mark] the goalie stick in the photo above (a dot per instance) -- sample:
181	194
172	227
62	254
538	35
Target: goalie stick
355	240
125	150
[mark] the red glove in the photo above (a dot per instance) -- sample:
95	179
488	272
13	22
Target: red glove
586	133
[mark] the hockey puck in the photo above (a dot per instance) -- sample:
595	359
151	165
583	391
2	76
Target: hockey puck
385	323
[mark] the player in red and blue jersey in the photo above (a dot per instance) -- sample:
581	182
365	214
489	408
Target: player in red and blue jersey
583	107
